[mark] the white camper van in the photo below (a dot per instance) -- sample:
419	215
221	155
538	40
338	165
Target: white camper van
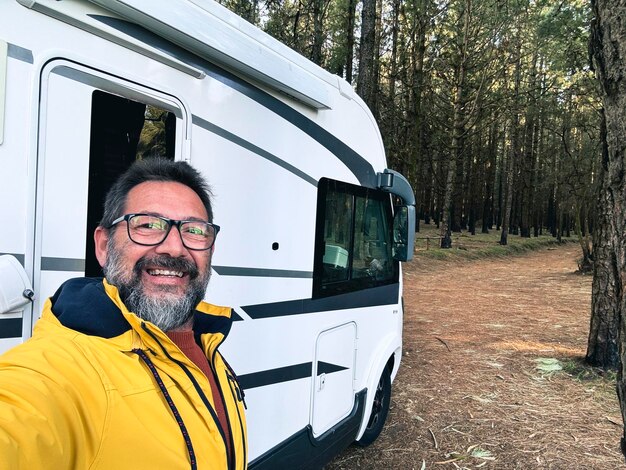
313	223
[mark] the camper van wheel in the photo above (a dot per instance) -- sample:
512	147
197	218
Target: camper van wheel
380	408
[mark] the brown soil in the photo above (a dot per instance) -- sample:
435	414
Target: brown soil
469	393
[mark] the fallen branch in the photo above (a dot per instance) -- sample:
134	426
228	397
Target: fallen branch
434	439
444	343
613	421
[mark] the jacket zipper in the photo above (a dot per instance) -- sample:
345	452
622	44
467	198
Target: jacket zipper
179	420
229	459
241	396
230	428
234	384
230	373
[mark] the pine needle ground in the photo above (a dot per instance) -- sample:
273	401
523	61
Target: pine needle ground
493	375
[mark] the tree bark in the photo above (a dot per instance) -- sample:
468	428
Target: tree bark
350	20
415	112
513	151
507	188
457	131
608	52
366	79
490	176
529	153
318	31
602	346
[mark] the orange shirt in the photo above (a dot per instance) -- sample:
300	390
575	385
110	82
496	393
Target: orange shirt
186	343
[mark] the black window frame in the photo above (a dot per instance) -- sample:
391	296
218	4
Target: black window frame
322	288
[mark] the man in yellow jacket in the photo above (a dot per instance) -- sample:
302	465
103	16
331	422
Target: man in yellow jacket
125	372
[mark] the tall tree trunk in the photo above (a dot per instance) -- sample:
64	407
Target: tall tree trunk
394	130
538	193
602	347
608	50
585	264
350	21
507	189
393	72
457	131
419	25
295	38
529	154
446	216
366	79
555	220
502	171
474	182
514	149
318	31
460	185
490	174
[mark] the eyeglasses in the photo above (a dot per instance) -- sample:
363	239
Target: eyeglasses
152	230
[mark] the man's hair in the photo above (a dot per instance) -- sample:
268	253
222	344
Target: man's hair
153	169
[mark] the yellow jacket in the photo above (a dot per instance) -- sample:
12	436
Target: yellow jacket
83	392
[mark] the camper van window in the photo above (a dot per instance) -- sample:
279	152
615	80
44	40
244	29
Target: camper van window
338	235
372	248
353	239
122	131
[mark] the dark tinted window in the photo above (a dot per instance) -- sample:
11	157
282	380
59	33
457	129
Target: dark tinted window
353	239
122	131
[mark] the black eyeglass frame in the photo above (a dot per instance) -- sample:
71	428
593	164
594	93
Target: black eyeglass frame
170	224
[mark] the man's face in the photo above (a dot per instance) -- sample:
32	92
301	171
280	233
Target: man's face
161	283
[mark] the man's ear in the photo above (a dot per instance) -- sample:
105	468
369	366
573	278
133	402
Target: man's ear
101	238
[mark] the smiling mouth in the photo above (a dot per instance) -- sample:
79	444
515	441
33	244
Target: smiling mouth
165	272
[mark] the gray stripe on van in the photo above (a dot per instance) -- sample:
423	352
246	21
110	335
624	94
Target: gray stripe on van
62	264
19	53
11	327
19	257
259	272
198	121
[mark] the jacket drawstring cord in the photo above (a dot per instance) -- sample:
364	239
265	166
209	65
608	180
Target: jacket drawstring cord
170	402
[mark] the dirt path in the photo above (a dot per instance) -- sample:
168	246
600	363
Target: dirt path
469	393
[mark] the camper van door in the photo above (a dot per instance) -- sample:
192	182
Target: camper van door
90	126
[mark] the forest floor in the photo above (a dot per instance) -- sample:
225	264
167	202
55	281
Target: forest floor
481	384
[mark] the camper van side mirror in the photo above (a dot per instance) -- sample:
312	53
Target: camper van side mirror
404	233
15	288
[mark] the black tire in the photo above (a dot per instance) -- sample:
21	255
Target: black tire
380	409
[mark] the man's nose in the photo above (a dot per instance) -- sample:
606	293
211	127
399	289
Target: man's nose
172	245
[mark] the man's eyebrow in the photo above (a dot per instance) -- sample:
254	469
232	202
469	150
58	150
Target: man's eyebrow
156	214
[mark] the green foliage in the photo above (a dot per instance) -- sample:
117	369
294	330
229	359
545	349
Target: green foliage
152	138
338	50
247	9
580	370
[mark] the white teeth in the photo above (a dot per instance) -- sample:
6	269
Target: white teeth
164	272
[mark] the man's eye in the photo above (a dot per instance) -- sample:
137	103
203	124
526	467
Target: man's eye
149	225
195	231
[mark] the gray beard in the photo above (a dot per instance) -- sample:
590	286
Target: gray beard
168	310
